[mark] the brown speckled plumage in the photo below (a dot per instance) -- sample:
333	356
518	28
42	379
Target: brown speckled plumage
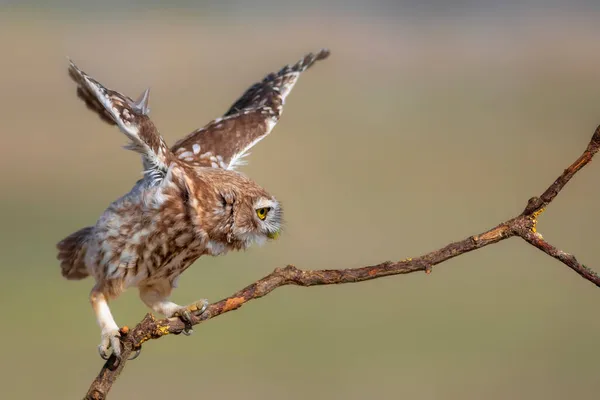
191	201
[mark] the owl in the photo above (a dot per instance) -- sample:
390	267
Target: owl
190	202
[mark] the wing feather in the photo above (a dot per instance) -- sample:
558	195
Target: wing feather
225	141
130	116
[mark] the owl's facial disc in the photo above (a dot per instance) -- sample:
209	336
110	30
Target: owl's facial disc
268	216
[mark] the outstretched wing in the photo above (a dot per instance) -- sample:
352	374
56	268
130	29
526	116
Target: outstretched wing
223	142
130	116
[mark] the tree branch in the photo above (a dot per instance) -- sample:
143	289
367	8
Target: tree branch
535	239
524	226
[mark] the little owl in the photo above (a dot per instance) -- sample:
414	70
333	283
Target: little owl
190	202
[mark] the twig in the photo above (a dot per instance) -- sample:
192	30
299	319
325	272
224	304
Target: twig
524	226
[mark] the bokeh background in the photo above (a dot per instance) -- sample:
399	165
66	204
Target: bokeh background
431	121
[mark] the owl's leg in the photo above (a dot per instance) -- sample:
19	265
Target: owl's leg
156	297
108	326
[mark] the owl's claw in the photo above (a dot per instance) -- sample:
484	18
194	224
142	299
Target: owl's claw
185	313
110	339
135	353
104	354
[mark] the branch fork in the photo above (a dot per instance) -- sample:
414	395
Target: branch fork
523	226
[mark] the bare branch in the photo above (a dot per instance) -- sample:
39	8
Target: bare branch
523	226
537	204
535	239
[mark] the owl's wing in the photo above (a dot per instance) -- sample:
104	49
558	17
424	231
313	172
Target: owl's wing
130	116
223	142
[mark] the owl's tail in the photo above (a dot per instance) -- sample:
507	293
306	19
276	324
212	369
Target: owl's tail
71	254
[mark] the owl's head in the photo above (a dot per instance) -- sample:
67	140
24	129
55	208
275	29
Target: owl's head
245	213
256	218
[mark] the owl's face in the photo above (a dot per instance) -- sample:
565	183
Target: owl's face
256	219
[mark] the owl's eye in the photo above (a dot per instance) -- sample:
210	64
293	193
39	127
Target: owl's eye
262	212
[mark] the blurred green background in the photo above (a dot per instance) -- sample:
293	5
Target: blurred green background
427	124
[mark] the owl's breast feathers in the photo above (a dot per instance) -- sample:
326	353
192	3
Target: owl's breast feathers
156	232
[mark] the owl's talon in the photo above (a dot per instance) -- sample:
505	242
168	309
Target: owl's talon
202	306
136	354
110	339
185	313
104	354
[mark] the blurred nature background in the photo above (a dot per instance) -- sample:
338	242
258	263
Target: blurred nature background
431	121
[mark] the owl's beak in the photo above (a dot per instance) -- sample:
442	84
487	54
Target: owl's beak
273	235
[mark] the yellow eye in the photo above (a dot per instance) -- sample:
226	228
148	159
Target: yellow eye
262	212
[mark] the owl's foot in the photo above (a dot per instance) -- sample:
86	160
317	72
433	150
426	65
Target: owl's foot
111	339
185	313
